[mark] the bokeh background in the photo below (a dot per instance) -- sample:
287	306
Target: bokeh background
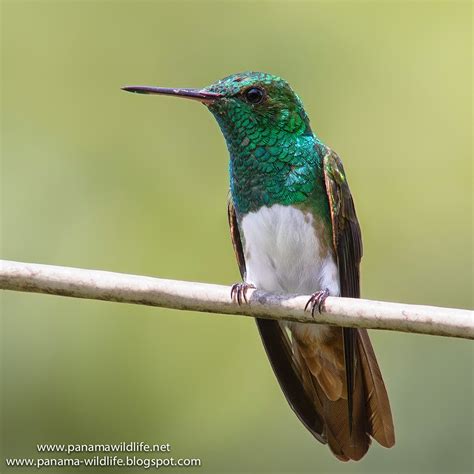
97	178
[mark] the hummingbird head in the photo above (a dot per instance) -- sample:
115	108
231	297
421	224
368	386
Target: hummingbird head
273	152
257	101
246	104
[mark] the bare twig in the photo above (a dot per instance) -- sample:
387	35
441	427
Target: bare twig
123	288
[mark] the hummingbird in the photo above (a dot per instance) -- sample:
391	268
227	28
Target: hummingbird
294	229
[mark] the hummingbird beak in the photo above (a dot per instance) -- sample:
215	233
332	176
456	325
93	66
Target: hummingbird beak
203	96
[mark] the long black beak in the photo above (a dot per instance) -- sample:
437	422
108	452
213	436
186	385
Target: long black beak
205	97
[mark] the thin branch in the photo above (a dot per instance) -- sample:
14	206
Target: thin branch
123	288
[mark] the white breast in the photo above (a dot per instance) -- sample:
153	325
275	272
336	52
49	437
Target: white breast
283	253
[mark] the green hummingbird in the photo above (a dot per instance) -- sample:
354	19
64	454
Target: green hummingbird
294	230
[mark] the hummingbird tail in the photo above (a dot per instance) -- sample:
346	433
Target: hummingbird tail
312	375
322	366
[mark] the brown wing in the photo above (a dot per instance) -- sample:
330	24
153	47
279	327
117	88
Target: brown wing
279	351
347	239
347	243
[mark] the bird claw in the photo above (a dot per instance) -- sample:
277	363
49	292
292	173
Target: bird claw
317	300
239	292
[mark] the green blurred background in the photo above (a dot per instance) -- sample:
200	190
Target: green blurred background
97	178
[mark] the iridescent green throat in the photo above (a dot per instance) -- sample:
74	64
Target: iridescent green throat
271	164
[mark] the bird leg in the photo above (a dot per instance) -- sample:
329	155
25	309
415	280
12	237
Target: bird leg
239	292
317	300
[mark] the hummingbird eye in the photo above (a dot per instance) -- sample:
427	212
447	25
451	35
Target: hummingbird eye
254	95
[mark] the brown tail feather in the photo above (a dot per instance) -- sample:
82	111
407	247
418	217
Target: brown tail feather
379	415
301	368
344	444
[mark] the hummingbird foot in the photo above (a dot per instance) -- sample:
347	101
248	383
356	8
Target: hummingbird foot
317	301
239	292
